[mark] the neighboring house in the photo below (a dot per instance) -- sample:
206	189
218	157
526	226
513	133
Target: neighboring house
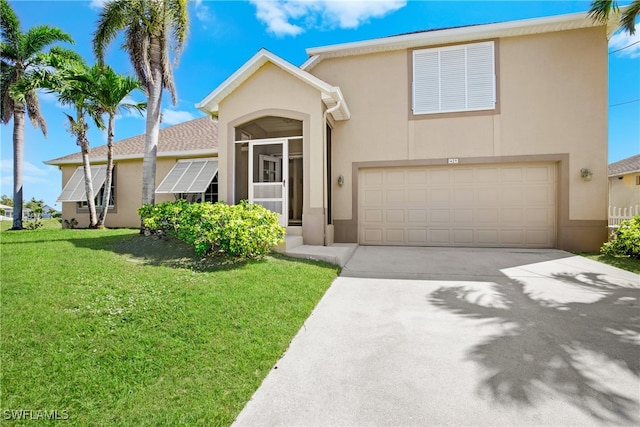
8	212
624	182
49	211
187	168
488	135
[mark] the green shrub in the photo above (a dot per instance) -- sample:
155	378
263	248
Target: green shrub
626	241
70	223
32	225
246	229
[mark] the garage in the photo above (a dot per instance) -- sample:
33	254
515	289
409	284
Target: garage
493	205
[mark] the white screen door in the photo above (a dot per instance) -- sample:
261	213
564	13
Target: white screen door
268	176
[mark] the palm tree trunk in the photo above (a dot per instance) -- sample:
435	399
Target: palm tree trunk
88	179
154	104
109	177
18	160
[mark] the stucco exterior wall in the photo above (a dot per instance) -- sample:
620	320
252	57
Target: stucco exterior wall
271	91
128	193
623	191
551	101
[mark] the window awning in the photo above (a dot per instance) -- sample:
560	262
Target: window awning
189	176
74	190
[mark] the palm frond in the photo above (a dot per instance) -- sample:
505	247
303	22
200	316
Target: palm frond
33	110
9	24
6	103
37	38
601	9
167	72
179	24
628	18
115	17
9	52
137	44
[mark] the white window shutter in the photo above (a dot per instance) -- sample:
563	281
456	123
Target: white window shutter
74	190
481	81
454	78
426	83
453	72
172	178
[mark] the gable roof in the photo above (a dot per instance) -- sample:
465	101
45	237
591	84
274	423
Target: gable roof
625	166
195	137
331	95
458	35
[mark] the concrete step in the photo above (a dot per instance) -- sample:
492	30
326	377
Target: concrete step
338	253
290	242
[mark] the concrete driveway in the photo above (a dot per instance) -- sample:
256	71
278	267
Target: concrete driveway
426	336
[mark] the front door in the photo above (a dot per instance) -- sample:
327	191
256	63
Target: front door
268	175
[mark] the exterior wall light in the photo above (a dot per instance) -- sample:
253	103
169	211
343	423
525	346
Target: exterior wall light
586	174
340	180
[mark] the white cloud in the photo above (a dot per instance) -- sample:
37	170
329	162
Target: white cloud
291	17
625	44
202	11
173	117
31	174
97	4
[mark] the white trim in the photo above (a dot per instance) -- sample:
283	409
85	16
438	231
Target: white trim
266	140
458	35
284	177
95	160
331	95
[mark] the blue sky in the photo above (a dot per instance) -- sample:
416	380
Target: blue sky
225	34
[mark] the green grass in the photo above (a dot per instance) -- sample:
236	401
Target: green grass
47	224
625	263
121	329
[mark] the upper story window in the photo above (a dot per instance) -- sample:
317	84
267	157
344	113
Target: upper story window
454	79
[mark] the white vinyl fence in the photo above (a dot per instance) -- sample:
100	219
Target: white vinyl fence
617	215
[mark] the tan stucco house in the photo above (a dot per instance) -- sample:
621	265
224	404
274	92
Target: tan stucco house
624	182
489	135
187	167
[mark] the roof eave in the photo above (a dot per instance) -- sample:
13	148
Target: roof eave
629	172
455	35
330	94
102	159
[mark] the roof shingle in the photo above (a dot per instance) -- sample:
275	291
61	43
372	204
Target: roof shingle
199	135
624	166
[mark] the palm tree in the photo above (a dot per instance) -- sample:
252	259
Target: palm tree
601	9
108	94
20	54
74	84
150	28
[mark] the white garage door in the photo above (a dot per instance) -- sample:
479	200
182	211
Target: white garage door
506	205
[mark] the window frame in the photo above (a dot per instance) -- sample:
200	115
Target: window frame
417	113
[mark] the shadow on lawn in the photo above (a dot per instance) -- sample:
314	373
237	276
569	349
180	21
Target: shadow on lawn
567	348
169	252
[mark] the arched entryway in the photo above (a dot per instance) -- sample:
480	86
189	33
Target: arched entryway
269	166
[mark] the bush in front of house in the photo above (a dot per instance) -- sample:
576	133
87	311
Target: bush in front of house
244	230
626	241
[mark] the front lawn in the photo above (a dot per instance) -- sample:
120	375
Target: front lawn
118	329
623	262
